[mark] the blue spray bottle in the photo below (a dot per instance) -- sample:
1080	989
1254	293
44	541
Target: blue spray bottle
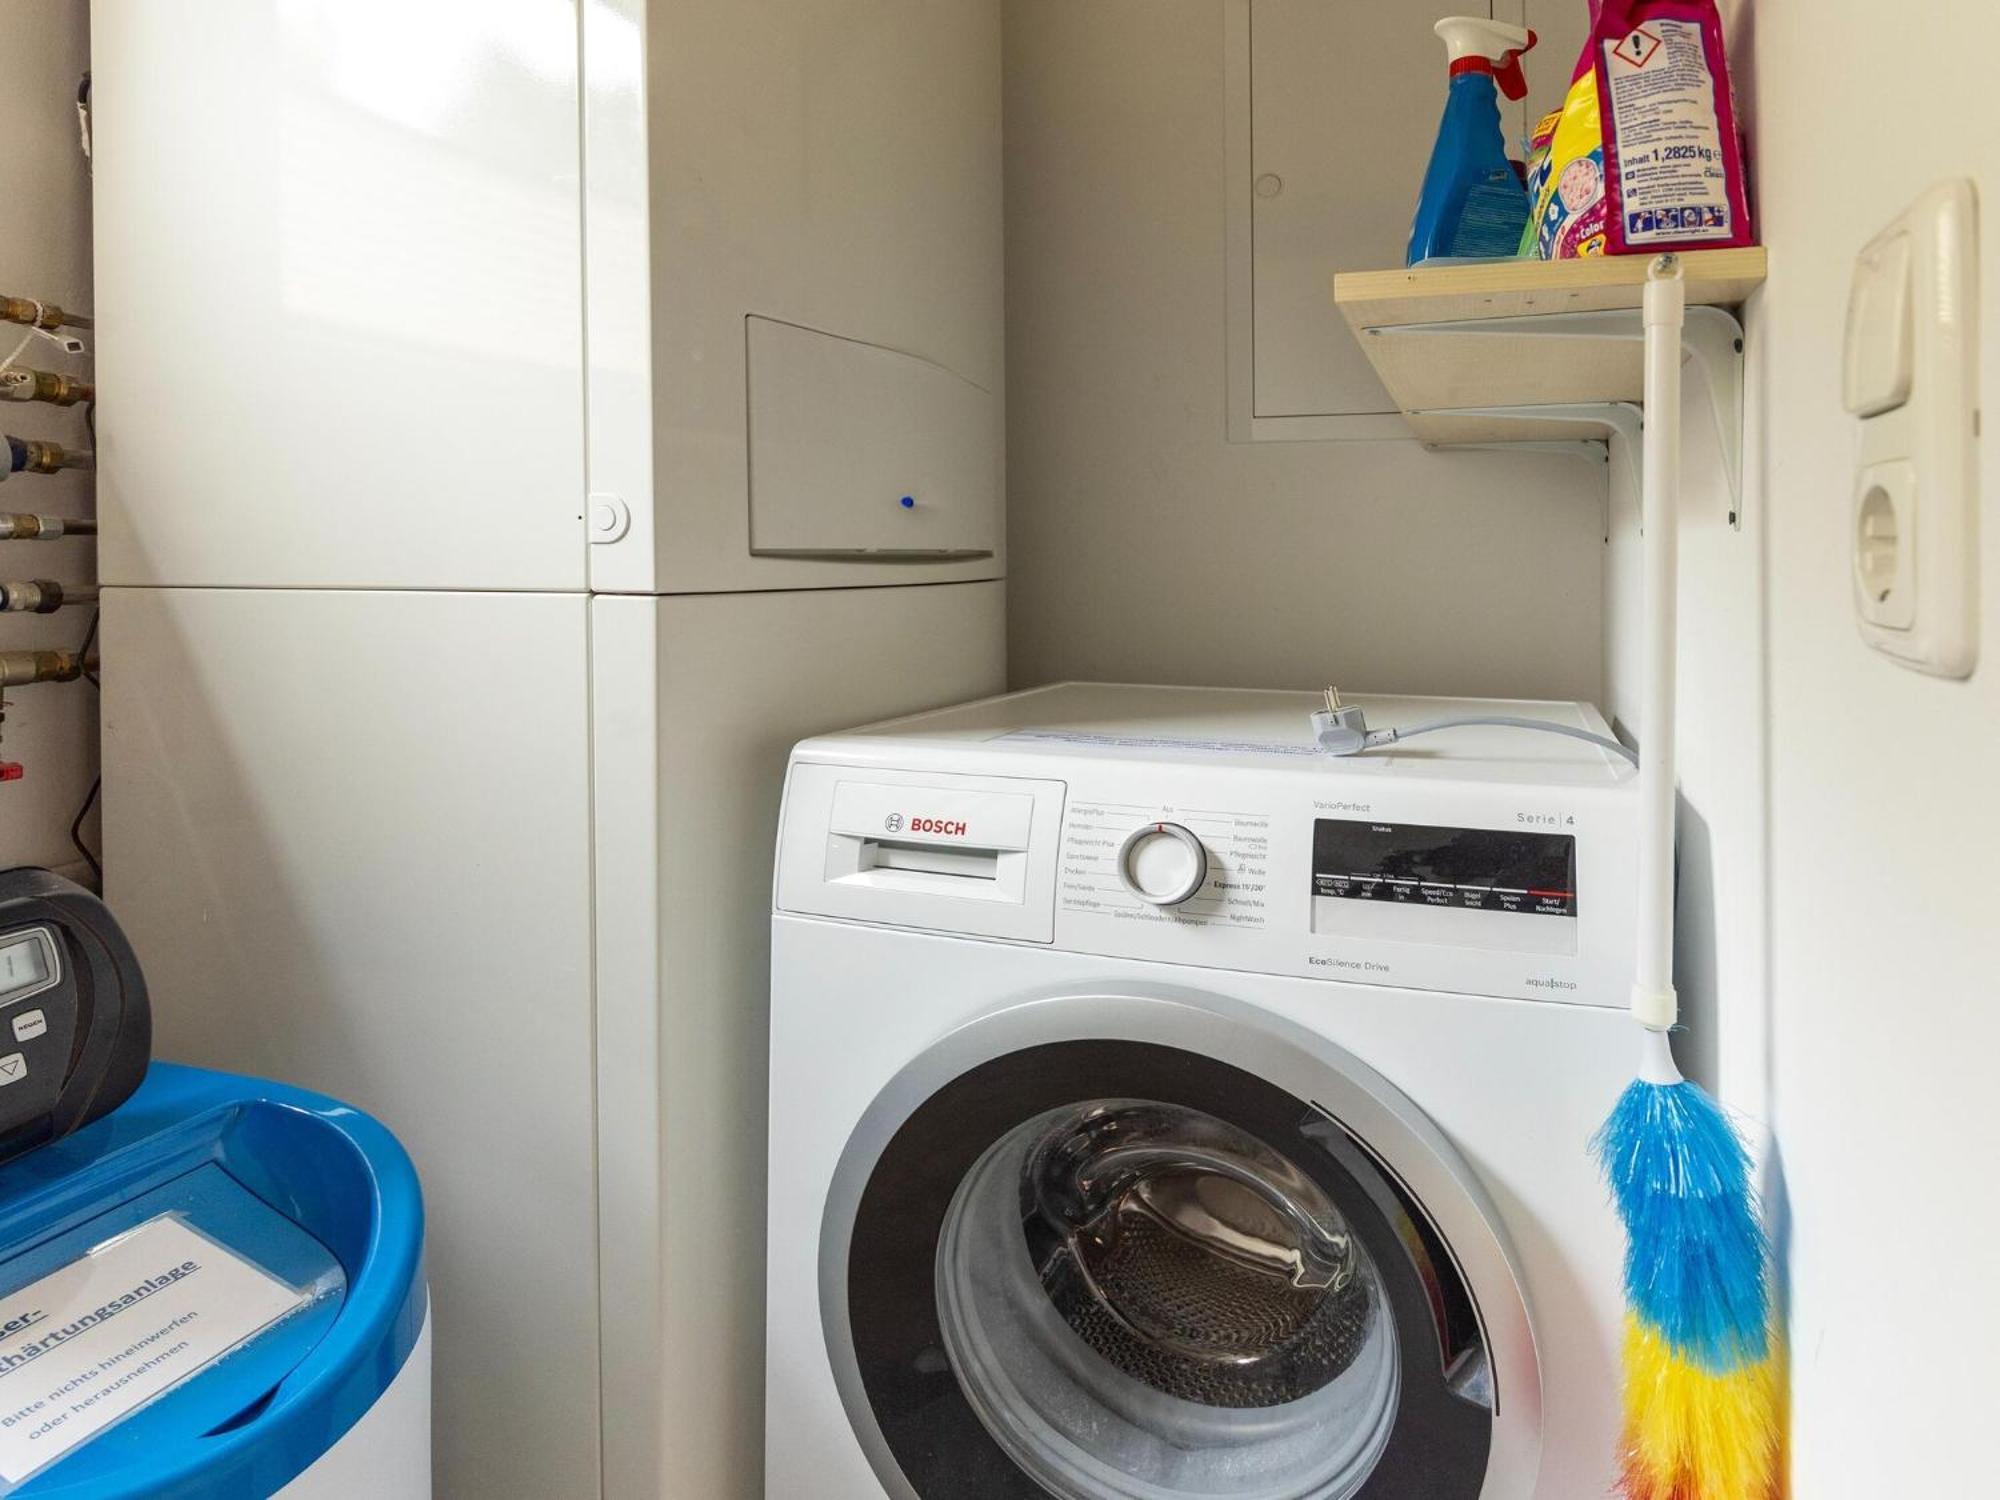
1473	202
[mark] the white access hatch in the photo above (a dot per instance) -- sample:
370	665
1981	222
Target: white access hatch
856	449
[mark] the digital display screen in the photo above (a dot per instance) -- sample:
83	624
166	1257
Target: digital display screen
1463	869
24	963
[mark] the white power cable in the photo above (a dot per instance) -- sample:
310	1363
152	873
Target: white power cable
1503	721
1342	729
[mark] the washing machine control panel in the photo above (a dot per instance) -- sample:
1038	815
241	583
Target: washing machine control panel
1487	881
1507	889
1163	865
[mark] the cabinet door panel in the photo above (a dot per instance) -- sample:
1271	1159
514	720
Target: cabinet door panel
833	165
349	833
339	293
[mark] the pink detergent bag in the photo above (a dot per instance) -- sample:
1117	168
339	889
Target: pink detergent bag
1673	160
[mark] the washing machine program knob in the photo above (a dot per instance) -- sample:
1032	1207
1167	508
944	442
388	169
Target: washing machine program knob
1162	863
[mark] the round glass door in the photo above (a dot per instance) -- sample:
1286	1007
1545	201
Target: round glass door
1137	1292
1114	1270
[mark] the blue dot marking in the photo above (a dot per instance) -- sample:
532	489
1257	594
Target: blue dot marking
909	502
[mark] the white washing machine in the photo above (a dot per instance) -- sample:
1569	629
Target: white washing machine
1162	1110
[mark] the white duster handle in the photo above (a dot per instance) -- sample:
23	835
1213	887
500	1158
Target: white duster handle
1654	1003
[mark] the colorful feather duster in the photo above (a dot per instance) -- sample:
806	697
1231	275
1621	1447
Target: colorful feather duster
1702	1375
1703	1396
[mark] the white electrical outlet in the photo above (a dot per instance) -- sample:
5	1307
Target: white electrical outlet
1911	378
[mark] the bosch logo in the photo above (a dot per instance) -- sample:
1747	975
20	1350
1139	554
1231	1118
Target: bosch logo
894	822
945	826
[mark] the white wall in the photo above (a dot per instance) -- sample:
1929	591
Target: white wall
1144	546
45	252
1885	786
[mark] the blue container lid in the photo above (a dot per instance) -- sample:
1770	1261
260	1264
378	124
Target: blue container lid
314	1193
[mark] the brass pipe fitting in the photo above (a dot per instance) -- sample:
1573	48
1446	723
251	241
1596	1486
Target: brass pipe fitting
19	668
17	526
46	386
32	314
45	457
41	596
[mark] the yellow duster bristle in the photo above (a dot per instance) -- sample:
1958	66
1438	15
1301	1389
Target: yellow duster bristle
1694	1435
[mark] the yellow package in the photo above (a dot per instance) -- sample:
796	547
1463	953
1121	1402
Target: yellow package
1566	189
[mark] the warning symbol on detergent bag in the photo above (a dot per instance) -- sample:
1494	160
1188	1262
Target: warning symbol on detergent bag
1638	47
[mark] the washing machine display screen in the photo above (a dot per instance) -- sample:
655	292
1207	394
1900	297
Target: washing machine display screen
1459	869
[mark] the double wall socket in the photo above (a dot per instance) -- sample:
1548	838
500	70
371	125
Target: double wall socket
1911	377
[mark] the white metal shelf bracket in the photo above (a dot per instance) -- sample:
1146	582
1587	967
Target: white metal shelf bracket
1712	341
1623	418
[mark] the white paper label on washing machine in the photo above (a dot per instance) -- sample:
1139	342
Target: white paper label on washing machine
88	1345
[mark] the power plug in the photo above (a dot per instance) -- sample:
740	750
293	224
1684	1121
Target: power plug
1340	728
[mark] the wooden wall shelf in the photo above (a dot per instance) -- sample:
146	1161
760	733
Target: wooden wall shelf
1439	337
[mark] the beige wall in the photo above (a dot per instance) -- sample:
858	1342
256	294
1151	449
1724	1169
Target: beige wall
1885	786
45	252
1143	545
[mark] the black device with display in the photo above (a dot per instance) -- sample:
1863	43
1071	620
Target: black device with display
76	1029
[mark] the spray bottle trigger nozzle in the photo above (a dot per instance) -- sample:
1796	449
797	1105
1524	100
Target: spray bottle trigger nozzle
1507	70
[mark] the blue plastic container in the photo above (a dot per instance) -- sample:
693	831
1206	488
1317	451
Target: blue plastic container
1474	203
319	1197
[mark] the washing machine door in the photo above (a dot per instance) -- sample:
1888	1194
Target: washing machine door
1162	1246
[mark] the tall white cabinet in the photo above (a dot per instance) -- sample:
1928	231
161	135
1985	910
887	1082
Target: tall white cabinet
523	421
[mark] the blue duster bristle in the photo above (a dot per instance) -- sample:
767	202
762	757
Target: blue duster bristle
1695	1248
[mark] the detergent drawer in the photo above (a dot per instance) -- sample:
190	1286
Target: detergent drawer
949	853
